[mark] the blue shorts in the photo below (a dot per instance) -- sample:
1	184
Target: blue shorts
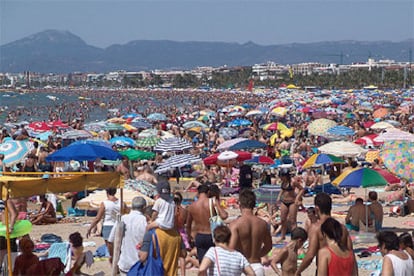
106	230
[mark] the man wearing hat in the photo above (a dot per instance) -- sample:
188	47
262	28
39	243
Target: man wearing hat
164	207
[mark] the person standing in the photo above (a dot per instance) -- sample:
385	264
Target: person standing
376	210
108	210
335	258
135	227
395	262
323	207
249	234
221	259
199	214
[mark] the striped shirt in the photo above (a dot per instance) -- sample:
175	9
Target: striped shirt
229	263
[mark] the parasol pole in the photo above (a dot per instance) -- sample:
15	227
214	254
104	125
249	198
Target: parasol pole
9	260
366	211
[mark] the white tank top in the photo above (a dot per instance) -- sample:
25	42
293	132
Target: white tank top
401	267
112	209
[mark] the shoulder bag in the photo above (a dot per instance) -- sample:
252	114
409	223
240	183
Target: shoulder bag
214	220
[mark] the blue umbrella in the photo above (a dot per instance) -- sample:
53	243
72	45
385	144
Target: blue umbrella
140	124
239	122
15	151
248	144
228	132
157	117
83	152
191	124
340	131
122	141
131	115
103	143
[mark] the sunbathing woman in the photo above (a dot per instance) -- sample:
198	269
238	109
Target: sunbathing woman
47	213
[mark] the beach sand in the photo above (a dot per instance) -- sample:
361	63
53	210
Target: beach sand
102	265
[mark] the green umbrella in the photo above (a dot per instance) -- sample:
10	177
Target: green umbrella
133	154
148	142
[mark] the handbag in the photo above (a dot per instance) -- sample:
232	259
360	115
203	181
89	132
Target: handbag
153	265
214	220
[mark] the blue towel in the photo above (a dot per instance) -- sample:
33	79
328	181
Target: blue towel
59	250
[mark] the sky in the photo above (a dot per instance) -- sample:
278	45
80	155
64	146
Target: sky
102	23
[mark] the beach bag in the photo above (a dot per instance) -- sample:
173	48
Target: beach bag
214	220
153	265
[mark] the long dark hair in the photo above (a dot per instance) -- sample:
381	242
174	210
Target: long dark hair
333	230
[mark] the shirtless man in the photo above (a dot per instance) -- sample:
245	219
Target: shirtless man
323	207
249	234
356	215
376	210
199	214
147	175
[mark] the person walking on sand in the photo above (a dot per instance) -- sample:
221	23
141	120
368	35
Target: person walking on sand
199	214
249	234
323	207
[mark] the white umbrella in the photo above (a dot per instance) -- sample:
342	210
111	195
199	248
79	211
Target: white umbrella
227	144
342	148
177	161
394	134
173	144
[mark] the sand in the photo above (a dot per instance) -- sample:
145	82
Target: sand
102	265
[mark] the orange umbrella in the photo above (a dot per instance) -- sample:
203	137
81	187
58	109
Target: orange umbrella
380	112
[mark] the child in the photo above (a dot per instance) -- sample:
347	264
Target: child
76	248
288	255
26	259
164	208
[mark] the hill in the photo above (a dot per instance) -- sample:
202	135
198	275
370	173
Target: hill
63	52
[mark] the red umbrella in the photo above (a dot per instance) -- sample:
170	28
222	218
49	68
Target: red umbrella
264	160
368	124
392	179
39	126
213	159
368	140
57	124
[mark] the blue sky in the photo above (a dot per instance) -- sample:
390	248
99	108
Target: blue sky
104	22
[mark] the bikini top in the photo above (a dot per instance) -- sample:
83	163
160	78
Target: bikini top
287	188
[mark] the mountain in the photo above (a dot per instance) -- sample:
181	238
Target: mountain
63	52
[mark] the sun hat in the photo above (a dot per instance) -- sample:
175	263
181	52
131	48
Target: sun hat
164	190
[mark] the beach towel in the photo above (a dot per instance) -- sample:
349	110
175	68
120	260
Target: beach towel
60	250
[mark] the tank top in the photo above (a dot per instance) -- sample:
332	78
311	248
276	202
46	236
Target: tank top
401	267
339	265
112	208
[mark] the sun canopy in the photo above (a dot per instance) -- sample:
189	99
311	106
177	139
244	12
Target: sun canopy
29	186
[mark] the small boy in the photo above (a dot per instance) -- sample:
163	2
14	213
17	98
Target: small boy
287	256
27	259
164	208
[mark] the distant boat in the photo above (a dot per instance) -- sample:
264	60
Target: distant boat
53	98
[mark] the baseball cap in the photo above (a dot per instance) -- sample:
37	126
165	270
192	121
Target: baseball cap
164	190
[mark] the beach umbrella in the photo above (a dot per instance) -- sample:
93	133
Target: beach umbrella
173	144
392	179
227	144
228	132
15	151
131	116
381	125
39	126
191	124
274	126
113	127
342	148
129	127
320	126
83	152
360	177
261	160
95	126
227	155
368	140
103	143
140	124
340	131
394	134
319	159
76	134
154	132
148	142
279	111
122	141
398	158
371	155
283	133
255	112
134	154
239	122
177	161
58	124
157	117
380	112
204	118
248	144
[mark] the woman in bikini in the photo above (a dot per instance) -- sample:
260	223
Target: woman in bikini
289	200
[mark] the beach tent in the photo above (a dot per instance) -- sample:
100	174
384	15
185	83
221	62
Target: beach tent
12	187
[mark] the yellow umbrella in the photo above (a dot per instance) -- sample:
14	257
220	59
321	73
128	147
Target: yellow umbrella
280	111
116	120
129	127
283	133
291	86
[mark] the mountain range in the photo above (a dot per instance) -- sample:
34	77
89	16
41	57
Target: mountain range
54	51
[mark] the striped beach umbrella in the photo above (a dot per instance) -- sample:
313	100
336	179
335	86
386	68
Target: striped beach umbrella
321	159
15	151
177	161
148	142
360	177
340	131
173	144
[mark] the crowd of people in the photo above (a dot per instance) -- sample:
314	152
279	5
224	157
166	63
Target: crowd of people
243	244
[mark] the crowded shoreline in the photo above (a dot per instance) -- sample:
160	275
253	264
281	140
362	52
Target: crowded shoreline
281	122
